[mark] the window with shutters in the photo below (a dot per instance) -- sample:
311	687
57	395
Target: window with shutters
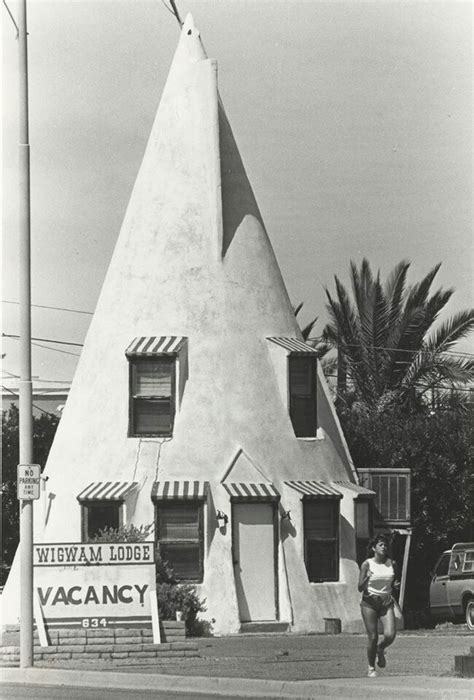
363	528
180	538
152	396
302	394
321	539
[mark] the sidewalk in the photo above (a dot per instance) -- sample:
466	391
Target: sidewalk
278	666
389	687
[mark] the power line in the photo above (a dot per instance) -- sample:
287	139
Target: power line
425	386
64	352
45	340
39	379
38	407
383	347
54	308
12	19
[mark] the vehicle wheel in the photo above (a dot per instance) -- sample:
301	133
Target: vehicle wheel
470	614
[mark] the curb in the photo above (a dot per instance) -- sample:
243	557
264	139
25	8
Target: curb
389	687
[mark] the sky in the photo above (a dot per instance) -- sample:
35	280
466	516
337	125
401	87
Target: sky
353	120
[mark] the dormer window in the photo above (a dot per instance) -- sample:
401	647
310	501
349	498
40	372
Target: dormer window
302	394
153	370
152	397
296	370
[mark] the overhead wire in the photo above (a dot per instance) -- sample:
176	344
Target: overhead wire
54	308
48	413
45	340
405	350
38	379
64	352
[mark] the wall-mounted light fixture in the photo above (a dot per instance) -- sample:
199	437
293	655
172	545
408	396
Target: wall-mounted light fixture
286	515
221	516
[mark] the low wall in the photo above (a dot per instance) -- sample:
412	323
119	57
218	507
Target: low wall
116	646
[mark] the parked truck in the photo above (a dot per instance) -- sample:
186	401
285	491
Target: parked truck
452	585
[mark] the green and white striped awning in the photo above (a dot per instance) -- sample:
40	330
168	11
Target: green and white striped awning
293	345
148	346
251	491
107	491
314	488
358	490
179	490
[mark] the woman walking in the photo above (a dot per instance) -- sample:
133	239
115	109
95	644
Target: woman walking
376	583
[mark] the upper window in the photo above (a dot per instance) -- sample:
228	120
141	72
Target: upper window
180	538
321	539
99	515
302	394
152	396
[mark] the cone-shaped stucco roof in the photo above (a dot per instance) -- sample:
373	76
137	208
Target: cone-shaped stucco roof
192	259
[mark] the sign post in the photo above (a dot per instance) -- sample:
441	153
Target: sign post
25	384
28	490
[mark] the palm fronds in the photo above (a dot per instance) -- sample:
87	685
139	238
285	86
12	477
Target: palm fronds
383	335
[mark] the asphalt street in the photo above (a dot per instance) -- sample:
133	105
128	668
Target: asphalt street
49	692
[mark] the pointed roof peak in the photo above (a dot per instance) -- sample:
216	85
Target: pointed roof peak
190	49
189	26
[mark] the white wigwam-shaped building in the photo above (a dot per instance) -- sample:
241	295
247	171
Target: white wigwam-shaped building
196	405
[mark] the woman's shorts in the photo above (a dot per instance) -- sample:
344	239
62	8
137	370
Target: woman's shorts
377	603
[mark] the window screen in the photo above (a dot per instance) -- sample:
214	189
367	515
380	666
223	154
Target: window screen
321	539
152	396
180	538
98	516
302	394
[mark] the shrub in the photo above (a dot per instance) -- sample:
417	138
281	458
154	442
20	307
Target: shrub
124	533
174	597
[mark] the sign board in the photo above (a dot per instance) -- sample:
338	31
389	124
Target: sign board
94	584
28	482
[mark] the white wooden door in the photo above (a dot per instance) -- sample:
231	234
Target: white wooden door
254	560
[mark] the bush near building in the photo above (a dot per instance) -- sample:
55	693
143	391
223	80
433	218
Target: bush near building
438	448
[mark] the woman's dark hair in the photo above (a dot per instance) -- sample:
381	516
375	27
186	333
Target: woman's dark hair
381	537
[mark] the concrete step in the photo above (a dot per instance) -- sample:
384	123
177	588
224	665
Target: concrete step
464	665
272	626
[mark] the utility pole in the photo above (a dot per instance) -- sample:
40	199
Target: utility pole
26	407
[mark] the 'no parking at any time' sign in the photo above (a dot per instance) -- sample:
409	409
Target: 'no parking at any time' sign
28	482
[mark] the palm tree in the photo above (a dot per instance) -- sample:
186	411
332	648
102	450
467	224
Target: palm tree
322	344
386	340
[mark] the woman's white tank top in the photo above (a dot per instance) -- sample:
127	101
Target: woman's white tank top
381	577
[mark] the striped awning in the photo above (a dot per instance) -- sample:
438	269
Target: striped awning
107	491
314	488
294	345
147	346
264	491
359	490
179	490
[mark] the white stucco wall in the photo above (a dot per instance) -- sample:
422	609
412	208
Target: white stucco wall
193	259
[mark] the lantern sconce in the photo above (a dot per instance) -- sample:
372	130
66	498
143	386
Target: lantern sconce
286	515
221	516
